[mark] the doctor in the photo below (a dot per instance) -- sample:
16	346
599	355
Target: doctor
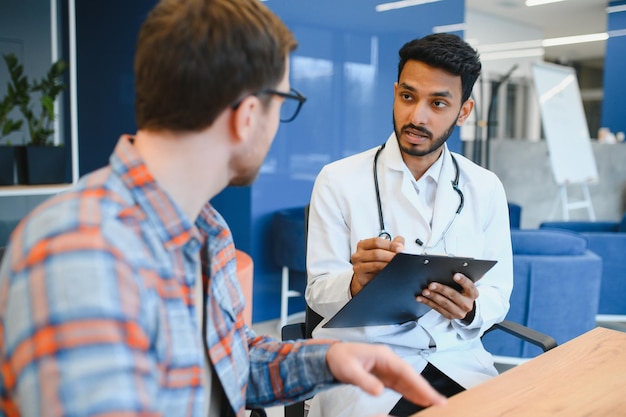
413	195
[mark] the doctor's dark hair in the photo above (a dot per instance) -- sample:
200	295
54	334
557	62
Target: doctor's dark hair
447	52
196	58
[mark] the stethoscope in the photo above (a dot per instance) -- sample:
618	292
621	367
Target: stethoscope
455	185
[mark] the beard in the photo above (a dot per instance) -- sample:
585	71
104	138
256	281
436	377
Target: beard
244	170
245	177
434	144
243	180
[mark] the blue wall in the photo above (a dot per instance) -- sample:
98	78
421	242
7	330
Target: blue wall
346	69
106	34
614	100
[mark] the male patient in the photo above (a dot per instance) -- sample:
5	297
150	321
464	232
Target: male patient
413	195
119	297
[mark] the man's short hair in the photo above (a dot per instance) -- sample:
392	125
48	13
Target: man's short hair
197	57
447	52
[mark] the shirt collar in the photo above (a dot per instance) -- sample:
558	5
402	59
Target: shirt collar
434	170
393	159
171	223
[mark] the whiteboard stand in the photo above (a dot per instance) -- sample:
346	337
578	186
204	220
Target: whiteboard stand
567	134
567	205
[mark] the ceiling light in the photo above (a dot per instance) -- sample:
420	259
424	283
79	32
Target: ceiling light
545	43
509	46
570	40
520	53
616	33
616	9
455	27
401	4
530	3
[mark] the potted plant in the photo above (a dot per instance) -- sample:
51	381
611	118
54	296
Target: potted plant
7	126
42	162
17	93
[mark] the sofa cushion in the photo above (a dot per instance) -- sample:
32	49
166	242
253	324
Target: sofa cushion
582	226
547	242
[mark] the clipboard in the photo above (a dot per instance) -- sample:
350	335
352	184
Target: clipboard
390	297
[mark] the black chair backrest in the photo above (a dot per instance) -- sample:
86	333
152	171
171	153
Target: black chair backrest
311	318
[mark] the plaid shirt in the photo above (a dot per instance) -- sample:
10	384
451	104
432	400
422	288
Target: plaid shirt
97	313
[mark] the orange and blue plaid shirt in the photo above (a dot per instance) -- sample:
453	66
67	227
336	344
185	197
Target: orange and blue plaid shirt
97	313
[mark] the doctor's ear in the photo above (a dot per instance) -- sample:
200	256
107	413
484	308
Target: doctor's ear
466	110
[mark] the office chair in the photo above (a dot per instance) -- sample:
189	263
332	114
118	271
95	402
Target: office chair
288	252
257	412
305	329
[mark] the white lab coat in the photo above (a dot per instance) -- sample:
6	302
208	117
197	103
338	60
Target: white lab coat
343	211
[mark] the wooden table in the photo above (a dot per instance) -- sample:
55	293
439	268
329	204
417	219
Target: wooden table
583	377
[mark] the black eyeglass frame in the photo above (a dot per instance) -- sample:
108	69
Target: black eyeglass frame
293	94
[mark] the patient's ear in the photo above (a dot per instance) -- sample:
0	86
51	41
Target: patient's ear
245	117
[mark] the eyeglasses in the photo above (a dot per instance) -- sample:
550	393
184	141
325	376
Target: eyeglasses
292	104
289	108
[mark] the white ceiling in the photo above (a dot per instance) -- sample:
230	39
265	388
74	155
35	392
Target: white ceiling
565	18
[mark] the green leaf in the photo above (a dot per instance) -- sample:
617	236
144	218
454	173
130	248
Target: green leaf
11	126
19	91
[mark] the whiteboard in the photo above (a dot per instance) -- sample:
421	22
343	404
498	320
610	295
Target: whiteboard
564	124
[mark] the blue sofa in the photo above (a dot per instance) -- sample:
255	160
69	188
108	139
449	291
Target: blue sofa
515	215
608	240
556	289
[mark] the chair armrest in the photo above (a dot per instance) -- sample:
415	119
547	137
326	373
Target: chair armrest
293	331
257	412
544	341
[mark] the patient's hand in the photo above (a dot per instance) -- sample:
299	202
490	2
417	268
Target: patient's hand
373	367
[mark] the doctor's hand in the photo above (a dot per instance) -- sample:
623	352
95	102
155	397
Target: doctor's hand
449	302
373	367
370	257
